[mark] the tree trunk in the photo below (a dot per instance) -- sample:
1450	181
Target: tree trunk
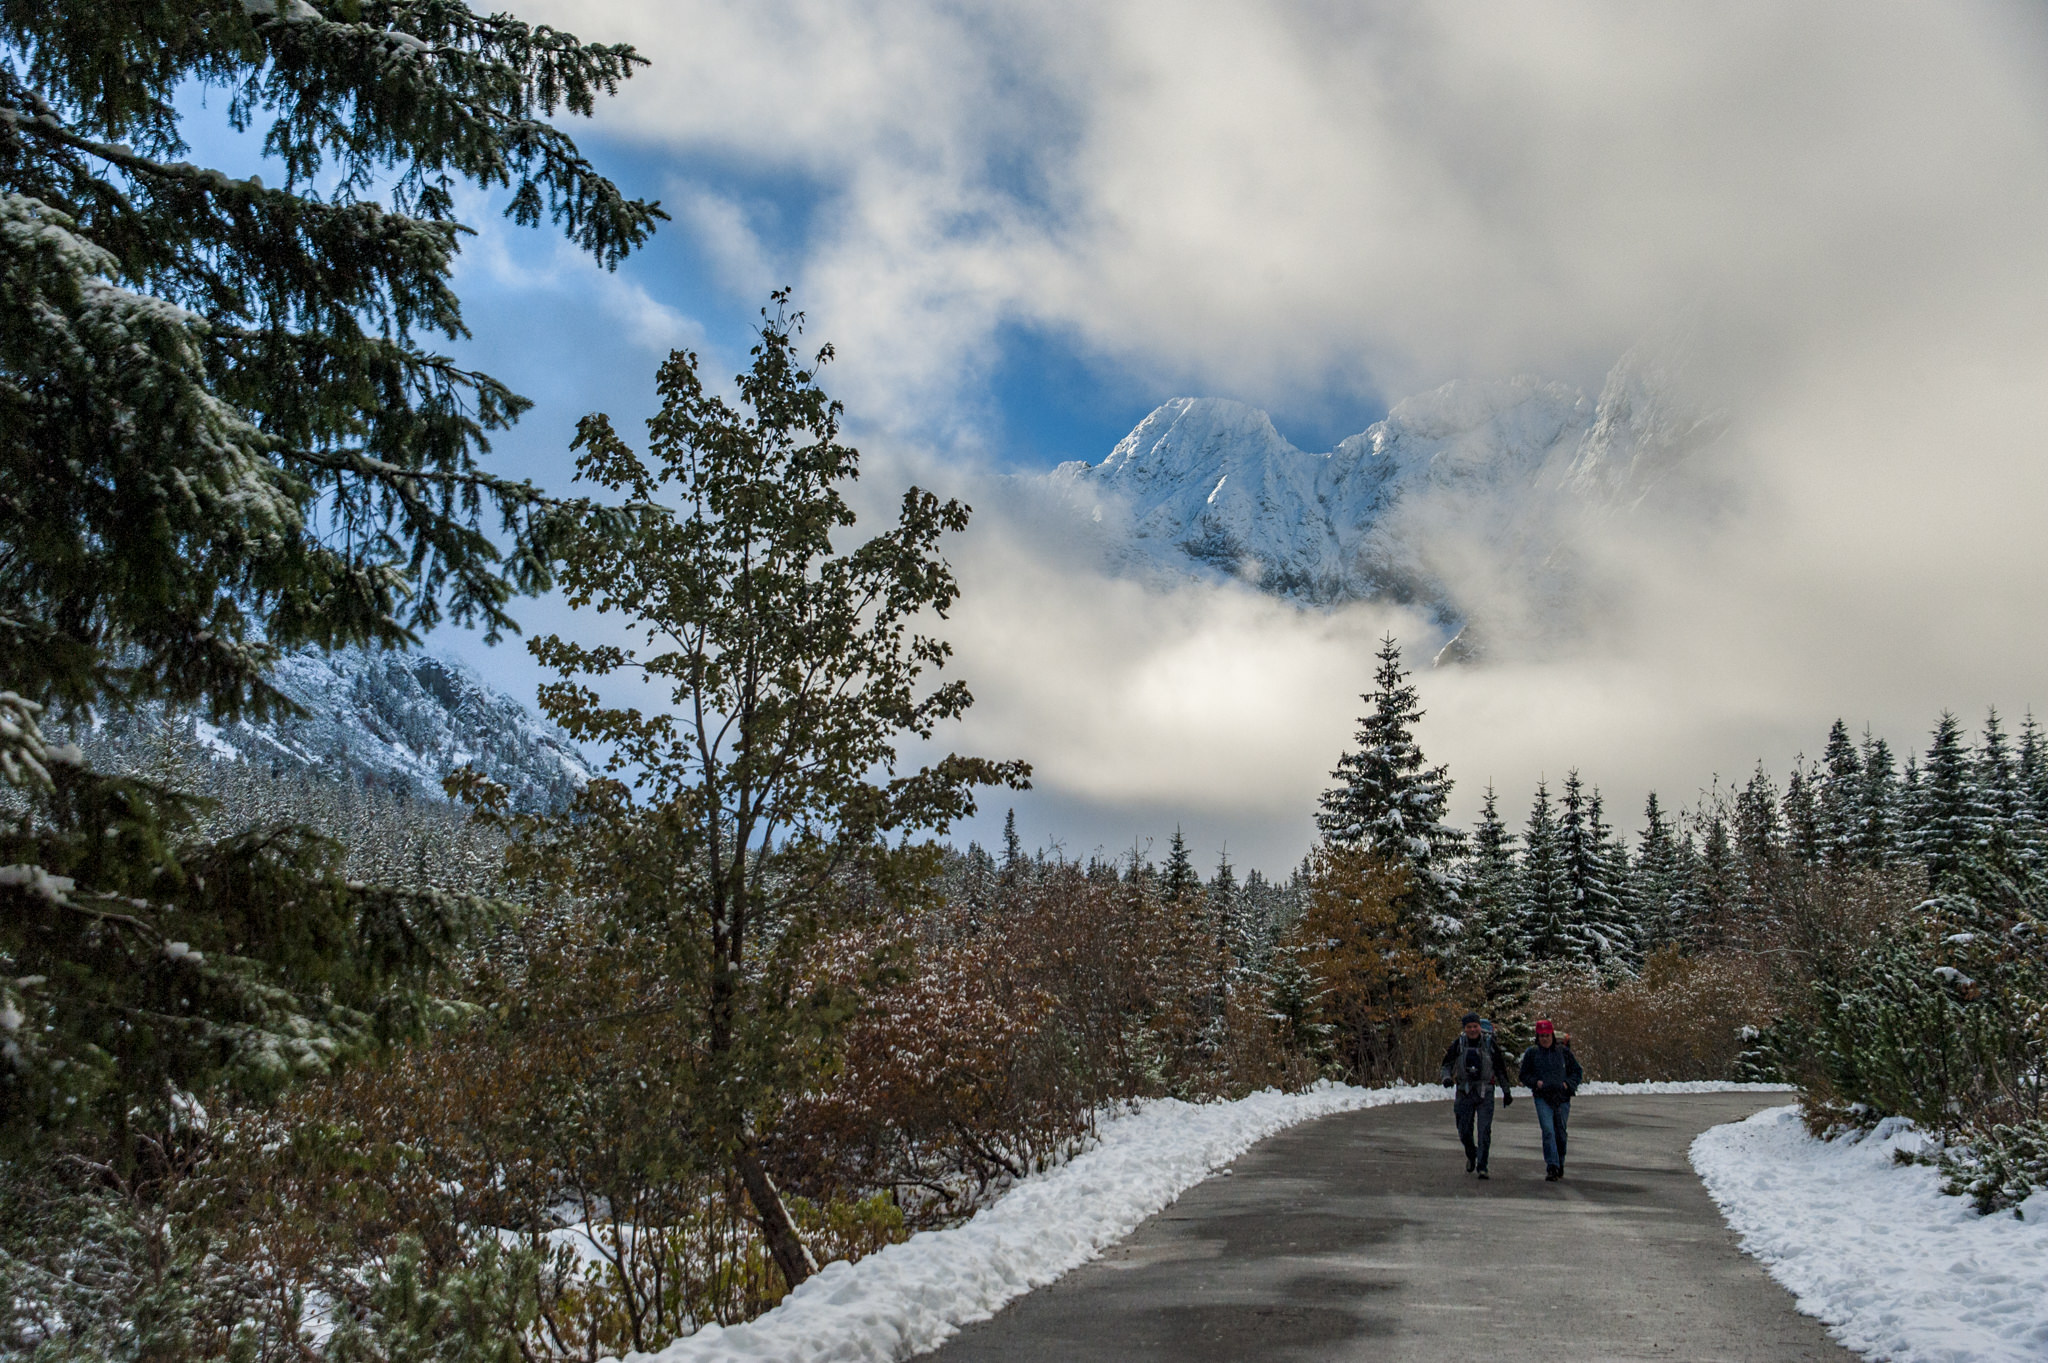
784	1243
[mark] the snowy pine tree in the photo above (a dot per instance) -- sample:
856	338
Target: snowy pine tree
1543	902
1880	806
208	374
1996	797
1946	822
1657	880
227	434
1492	868
1390	801
1840	798
2030	775
1262	908
1494	955
1595	932
1759	828
1717	884
1015	864
1801	811
1759	823
1178	881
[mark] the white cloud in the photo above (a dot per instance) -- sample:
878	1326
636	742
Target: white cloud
1266	195
1264	199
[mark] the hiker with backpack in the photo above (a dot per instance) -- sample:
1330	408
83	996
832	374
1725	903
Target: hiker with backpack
1472	1067
1553	1075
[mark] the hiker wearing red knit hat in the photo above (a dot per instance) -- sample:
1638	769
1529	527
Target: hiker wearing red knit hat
1553	1075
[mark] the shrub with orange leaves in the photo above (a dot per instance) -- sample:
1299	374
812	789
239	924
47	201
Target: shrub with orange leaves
1373	986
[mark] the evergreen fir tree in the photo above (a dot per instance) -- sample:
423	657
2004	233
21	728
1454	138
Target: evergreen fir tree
1259	912
2031	768
1879	815
1906	806
1657	880
1492	869
1759	825
1841	797
1223	885
2030	775
226	434
1686	910
1233	911
1014	863
1760	851
1596	933
1179	879
1543	904
1996	797
1802	815
1497	973
978	880
1718	884
1946	822
1495	952
1388	799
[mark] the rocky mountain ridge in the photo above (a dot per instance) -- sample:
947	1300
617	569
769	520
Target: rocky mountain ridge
1461	501
402	721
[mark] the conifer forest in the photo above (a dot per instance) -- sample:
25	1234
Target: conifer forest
293	1066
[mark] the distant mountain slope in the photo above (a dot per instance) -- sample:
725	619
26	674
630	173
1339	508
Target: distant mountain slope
1459	501
405	721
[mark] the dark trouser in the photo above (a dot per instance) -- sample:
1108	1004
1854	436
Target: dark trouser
1552	1117
1469	1108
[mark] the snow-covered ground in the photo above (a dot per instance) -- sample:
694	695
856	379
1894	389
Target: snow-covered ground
910	1297
1898	1271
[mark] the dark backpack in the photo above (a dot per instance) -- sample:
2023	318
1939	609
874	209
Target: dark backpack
1475	1066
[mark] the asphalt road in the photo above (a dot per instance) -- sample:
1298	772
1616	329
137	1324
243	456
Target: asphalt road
1361	1236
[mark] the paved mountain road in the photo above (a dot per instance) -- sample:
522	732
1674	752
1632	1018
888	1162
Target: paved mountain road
1361	1237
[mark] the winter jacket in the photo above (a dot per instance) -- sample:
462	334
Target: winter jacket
1494	1066
1557	1068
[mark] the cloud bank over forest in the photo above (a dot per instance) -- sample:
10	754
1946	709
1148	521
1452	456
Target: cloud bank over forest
1848	205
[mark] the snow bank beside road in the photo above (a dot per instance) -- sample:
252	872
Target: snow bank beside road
1897	1270
910	1297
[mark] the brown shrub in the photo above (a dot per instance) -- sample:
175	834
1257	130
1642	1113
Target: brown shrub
1678	1020
1010	1027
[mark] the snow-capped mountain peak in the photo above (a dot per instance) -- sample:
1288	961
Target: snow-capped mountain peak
1468	471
